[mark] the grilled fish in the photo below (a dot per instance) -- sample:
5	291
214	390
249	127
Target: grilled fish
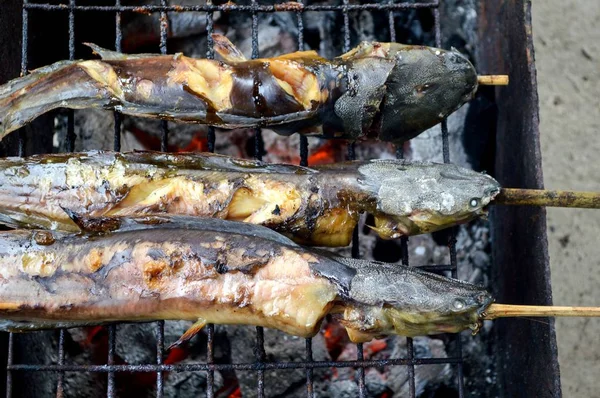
314	206
387	91
218	271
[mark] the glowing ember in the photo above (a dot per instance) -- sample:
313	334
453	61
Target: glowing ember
197	144
336	339
331	151
236	394
373	347
97	339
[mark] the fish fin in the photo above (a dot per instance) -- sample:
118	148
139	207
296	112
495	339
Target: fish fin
190	333
227	49
105	53
110	55
93	224
300	55
243	204
367	49
356	336
373	228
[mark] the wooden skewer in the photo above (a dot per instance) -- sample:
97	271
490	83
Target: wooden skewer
542	197
507	311
493	80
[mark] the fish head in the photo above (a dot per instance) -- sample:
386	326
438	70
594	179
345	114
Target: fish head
389	299
425	86
440	305
422	197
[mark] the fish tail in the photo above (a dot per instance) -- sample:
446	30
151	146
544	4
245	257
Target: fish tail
72	84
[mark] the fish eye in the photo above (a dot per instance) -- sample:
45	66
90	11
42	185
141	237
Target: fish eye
474	202
458	304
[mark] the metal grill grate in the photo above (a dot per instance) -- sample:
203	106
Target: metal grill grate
260	365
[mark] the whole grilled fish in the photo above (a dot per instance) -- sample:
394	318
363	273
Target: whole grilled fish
388	91
317	206
217	271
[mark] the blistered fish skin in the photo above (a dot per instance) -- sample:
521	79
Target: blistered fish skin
386	91
315	206
216	271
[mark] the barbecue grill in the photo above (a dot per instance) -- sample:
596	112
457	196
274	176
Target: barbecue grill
524	353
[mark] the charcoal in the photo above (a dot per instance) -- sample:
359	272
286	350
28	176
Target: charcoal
375	382
425	375
343	389
278	347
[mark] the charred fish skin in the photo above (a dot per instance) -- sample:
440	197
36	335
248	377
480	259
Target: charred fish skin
314	206
386	91
143	275
222	272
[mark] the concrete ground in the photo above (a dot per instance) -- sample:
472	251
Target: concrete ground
567	49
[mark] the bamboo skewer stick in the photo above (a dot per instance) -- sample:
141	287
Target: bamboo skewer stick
492	80
495	311
542	197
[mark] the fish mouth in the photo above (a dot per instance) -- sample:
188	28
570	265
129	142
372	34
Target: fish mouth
485	303
492	195
494	192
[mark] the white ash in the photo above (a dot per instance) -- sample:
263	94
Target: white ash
391	379
428	145
426	376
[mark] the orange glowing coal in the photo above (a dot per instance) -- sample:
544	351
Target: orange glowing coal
373	347
236	394
198	143
336	339
330	152
97	339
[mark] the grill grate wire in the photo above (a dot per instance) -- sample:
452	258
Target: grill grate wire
261	365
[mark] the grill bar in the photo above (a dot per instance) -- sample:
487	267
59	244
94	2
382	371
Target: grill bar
24	60
258	154
110	360
9	362
118	41
61	361
194	367
410	352
210	328
160	349
160	336
304	162
452	238
210	54
231	7
70	139
260	360
210	359
164	27
362	390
